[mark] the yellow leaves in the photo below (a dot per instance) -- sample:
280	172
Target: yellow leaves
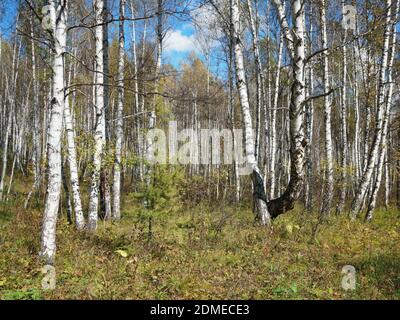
122	253
393	233
290	228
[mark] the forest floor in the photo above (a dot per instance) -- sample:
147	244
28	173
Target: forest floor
203	253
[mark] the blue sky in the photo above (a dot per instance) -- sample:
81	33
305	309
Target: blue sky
179	41
8	11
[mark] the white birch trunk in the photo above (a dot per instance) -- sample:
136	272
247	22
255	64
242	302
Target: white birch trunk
5	154
385	126
99	130
259	78
373	155
258	182
296	114
287	31
273	119
48	240
343	125
120	107
73	167
328	188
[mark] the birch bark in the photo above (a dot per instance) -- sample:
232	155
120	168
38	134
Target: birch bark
343	125
73	167
373	154
100	128
58	14
385	126
328	193
259	195
273	119
296	112
120	107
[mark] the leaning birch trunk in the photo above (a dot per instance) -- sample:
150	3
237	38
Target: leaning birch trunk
259	196
48	240
120	107
273	120
5	154
10	87
328	188
385	126
99	130
259	78
287	32
296	112
36	112
73	167
373	155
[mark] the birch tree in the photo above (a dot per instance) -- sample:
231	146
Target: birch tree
386	118
260	82
73	167
58	16
328	188
120	107
100	126
343	127
373	154
296	44
259	195
273	118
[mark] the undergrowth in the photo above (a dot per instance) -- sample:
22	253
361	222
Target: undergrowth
203	253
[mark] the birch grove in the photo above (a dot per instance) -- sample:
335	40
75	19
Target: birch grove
304	102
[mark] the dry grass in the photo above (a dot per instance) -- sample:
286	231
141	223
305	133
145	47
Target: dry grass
203	253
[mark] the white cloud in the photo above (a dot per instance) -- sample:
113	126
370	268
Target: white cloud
176	41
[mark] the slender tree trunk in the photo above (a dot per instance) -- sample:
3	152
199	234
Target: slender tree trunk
385	125
58	13
119	127
260	83
357	150
105	193
309	119
387	178
296	114
137	109
373	155
343	122
5	154
73	167
67	193
100	127
36	113
11	177
259	194
10	85
328	188
273	119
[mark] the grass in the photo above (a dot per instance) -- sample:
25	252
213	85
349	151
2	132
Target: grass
203	253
